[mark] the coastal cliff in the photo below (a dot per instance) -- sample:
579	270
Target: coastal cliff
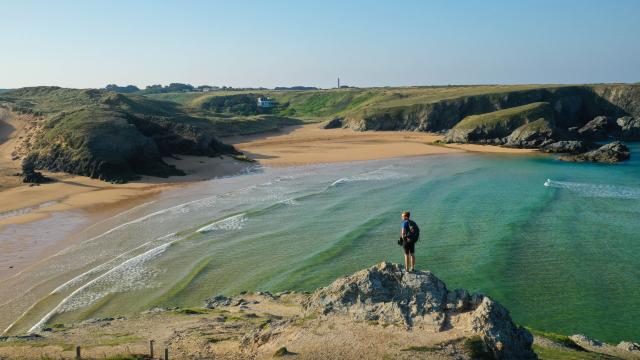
532	118
376	313
119	137
108	136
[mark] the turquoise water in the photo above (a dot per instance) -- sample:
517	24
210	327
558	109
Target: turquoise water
562	257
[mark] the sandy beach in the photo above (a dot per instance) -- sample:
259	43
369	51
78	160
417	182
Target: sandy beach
310	144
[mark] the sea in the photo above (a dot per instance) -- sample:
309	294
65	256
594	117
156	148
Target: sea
556	243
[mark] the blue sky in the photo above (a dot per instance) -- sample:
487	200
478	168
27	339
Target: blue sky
282	43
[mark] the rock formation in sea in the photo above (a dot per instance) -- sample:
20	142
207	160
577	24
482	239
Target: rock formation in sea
609	153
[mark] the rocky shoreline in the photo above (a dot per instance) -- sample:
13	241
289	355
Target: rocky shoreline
565	119
379	312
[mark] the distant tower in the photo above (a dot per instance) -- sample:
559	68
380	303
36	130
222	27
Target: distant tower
338	82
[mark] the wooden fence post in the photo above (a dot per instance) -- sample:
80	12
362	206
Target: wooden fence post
78	356
166	353
151	348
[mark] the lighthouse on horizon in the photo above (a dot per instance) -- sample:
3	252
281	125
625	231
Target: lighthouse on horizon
338	82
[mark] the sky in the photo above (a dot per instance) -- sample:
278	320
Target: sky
244	43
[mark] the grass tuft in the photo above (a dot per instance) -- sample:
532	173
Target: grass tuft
281	352
419	349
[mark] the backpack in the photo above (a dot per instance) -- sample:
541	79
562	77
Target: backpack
414	232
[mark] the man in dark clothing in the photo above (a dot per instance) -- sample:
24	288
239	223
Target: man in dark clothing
408	244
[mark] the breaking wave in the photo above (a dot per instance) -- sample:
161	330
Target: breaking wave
130	275
231	223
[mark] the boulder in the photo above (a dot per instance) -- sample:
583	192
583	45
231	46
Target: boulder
335	123
596	129
217	301
29	173
628	346
609	153
585	340
567	147
386	294
629	128
533	135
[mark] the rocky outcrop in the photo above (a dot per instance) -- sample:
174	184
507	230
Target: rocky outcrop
109	136
609	153
629	128
597	129
575	113
29	173
629	346
573	106
335	123
567	147
623	350
535	134
495	127
385	294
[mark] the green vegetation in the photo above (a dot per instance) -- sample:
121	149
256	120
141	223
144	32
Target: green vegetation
510	118
321	105
476	348
118	136
549	353
557	338
114	137
281	352
420	349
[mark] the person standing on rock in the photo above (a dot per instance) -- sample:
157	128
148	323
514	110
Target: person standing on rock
409	235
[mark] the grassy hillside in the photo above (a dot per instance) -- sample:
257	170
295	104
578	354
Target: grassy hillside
111	136
507	118
321	105
191	122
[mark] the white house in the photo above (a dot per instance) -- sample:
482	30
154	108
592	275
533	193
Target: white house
266	102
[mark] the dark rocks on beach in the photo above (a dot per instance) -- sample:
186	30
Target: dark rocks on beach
35	177
334	123
567	146
217	301
385	294
29	173
610	153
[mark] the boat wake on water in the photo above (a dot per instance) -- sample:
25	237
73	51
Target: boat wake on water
596	190
375	175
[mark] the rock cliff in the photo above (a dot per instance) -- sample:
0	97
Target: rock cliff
386	294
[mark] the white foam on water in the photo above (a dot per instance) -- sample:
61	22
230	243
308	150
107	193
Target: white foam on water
234	222
25	210
596	190
82	277
128	276
290	202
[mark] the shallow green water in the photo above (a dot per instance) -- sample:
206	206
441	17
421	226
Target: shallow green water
562	258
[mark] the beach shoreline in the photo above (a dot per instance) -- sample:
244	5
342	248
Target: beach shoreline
94	200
